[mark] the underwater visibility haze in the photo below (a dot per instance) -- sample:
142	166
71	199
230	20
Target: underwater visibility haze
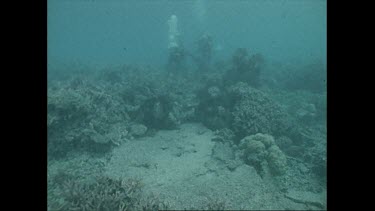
186	105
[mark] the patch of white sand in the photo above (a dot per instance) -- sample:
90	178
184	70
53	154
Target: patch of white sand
177	166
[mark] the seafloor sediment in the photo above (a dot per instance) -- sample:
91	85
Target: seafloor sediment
135	138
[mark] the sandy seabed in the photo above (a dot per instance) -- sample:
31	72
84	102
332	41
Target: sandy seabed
180	167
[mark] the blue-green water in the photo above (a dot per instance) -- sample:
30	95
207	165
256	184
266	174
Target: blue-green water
97	31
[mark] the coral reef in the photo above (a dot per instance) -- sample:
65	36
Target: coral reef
254	126
213	108
176	60
270	124
215	204
98	113
81	187
102	194
254	112
244	110
82	116
315	152
245	68
138	130
152	203
203	54
224	135
276	160
312	77
305	107
261	151
160	112
307	113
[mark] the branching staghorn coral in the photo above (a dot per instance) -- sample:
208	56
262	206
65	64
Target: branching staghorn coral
102	194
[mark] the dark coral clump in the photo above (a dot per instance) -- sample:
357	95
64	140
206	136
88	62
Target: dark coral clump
176	60
213	109
245	68
204	53
254	112
159	113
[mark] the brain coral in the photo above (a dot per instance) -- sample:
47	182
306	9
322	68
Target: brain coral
261	152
